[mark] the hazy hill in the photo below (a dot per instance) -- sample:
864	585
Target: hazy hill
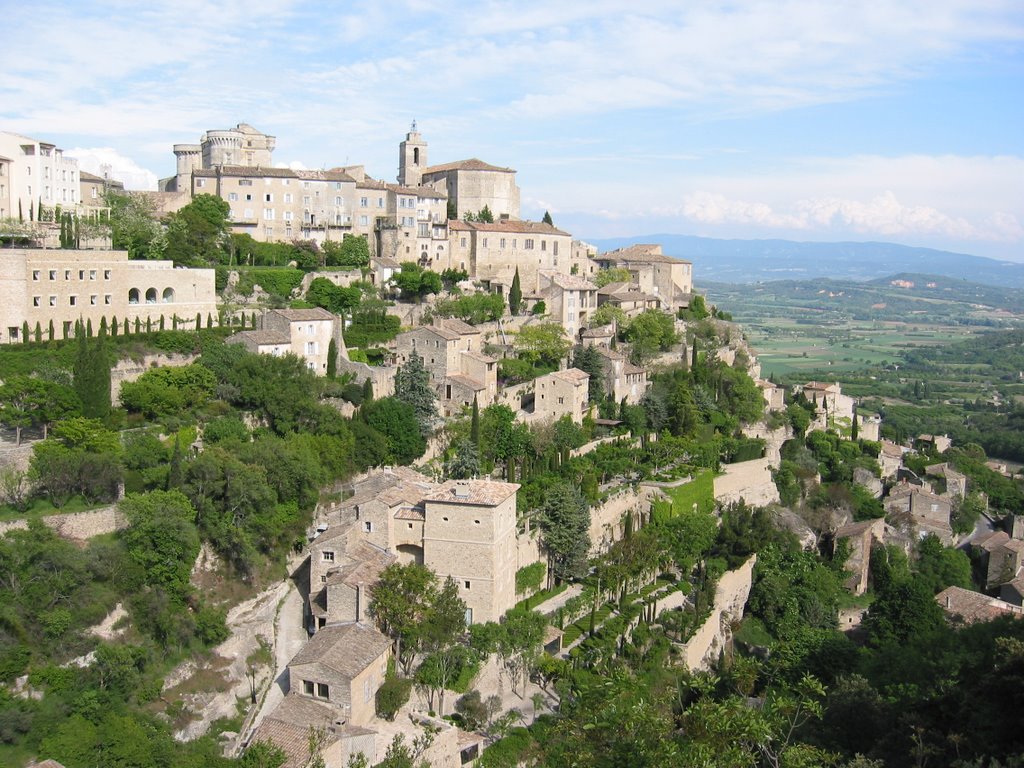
751	261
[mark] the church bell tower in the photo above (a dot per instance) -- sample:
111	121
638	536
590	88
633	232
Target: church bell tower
412	158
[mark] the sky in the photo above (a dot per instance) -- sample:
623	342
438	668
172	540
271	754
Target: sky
897	121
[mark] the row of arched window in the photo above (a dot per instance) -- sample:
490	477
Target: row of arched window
135	296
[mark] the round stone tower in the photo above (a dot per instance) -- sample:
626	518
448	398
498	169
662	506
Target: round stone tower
188	158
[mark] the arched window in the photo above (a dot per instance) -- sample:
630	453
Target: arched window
415	155
133	296
151	296
168	295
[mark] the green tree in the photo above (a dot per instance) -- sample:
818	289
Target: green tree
652	331
515	295
607	314
547	219
332	359
939	567
590	361
162	538
565	524
612	275
196	233
396	421
91	373
519	642
412	386
474	423
543	344
414	282
465	463
352	251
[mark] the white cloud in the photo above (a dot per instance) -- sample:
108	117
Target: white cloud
107	160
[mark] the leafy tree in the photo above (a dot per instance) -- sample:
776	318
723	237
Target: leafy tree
590	361
519	642
607	314
939	567
966	512
33	402
169	390
334	298
652	331
412	386
515	294
465	463
352	251
543	344
197	232
161	537
547	219
565	525
92	374
414	282
474	423
396	421
612	275
903	609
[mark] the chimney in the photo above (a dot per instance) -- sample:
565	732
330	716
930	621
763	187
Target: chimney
462	489
949	601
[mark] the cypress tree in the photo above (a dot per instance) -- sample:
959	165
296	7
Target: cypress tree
149	325
174	322
113	327
515	295
39	332
21	216
24	333
51	330
88	327
103	326
91	373
368	390
138	325
209	320
474	424
547	219
693	355
253	319
854	431
78	233
161	322
39	210
199	321
332	359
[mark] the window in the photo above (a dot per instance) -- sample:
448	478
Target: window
106	298
287	215
92	274
554	248
133	296
232	196
364	220
367	690
513	243
168	295
485	242
323	579
92	300
248	198
363	202
310	347
307	687
528	244
323	691
268	214
36	300
466	584
106	274
269	197
81	274
73	301
543	245
245	182
200	182
462	242
53	274
287	197
248	213
380	202
35	274
328	557
368	526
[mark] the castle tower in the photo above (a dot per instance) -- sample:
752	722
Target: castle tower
412	158
189	158
222	148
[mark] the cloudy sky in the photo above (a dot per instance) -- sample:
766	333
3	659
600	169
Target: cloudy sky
899	120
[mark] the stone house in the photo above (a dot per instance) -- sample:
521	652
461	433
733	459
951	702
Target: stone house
93	190
469	534
464	530
970	607
668	279
870	427
305	333
956	482
35	172
342	665
628	298
1002	556
470	184
938	443
61	287
598	336
830	400
561	393
492	253
622	379
570	300
452	354
890	458
929	512
287	727
774	395
861	537
1013	591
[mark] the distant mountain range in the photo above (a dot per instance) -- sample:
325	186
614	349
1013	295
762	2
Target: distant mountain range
752	261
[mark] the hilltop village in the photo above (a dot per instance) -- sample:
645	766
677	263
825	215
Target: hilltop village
348	472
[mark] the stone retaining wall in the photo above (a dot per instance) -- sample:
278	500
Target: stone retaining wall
76	525
131	370
747	480
714	634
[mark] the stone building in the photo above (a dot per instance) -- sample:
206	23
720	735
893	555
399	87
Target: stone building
627	297
668	279
470	185
305	333
287	727
569	300
452	354
860	537
622	379
469	534
40	287
491	253
343	665
562	393
928	511
35	172
964	605
774	395
93	190
242	145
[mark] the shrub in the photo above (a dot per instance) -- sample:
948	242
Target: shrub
392	696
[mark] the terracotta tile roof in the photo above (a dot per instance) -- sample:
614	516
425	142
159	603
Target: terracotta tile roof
972	607
429	193
473	164
260	338
480	357
400	189
369	562
302	315
45	763
370	183
629	368
335	174
640	253
572	374
404	492
611	354
468	382
386	261
857	529
617	287
569	282
411	513
460	327
436	330
477	492
517	226
993	541
347	649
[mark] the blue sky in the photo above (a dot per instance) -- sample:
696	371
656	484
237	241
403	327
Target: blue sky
899	120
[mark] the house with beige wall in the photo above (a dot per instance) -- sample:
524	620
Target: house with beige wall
667	278
38	286
491	253
561	393
37	172
93	189
569	300
622	380
305	333
288	725
473	185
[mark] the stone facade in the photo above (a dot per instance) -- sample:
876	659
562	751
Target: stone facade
35	172
558	394
668	279
473	185
861	537
65	286
491	253
570	300
305	333
622	379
